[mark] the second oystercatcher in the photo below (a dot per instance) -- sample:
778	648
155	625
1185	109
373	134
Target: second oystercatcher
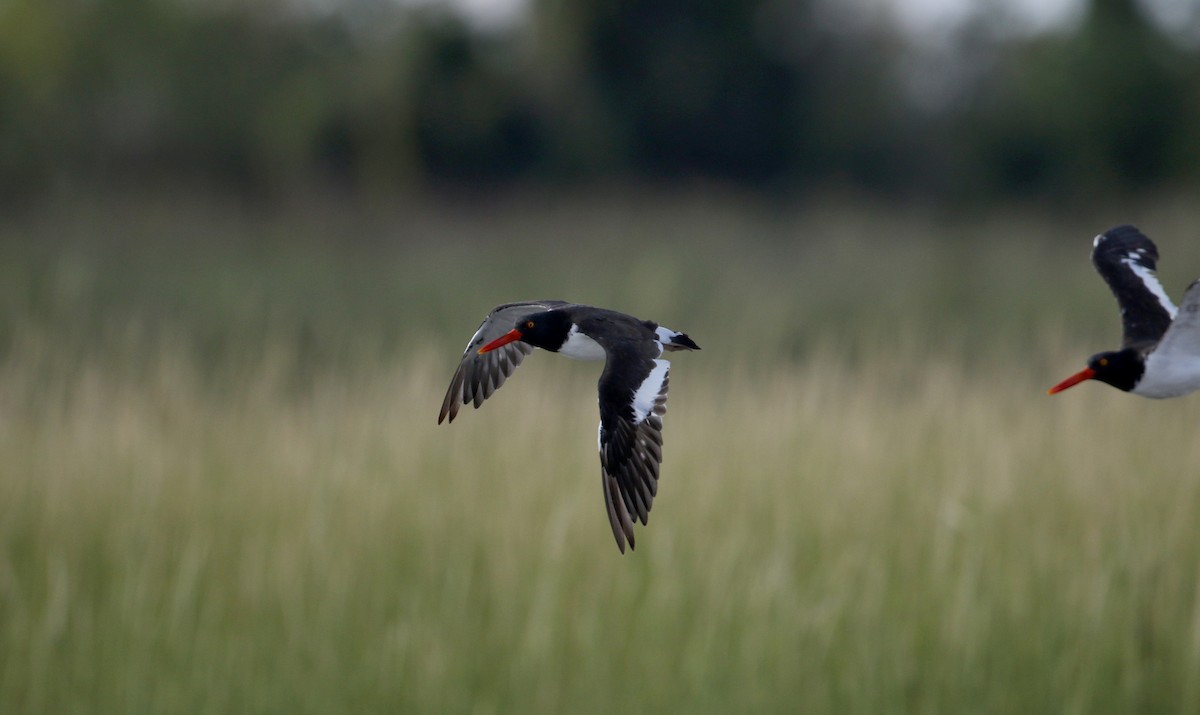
633	387
1160	352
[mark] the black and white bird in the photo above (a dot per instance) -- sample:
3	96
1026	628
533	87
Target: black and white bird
1160	353
633	387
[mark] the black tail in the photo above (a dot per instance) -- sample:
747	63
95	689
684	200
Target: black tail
680	341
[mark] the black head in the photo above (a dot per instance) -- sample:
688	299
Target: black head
547	330
1120	368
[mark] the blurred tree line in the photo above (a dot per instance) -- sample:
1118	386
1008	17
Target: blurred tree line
375	96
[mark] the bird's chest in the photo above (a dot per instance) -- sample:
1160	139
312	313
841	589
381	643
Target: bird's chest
1169	375
579	346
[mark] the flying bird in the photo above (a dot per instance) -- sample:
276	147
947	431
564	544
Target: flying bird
633	387
1160	352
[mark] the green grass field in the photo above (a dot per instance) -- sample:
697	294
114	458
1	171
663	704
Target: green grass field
223	488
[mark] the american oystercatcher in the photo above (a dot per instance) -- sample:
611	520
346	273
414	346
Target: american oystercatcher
1160	352
633	387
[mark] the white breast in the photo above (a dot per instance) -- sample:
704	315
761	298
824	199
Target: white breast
580	347
1173	368
1169	374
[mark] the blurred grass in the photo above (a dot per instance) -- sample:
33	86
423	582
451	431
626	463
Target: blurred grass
222	488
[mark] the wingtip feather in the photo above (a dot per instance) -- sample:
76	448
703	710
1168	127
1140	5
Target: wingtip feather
618	516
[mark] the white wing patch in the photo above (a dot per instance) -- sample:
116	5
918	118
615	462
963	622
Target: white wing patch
648	391
1150	281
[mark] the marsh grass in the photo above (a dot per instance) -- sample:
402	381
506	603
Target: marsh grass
881	518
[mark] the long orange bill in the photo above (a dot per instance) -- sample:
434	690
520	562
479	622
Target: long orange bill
1086	373
505	339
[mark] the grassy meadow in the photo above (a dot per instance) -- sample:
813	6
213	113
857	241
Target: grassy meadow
223	488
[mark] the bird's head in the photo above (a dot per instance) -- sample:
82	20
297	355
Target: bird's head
1120	368
547	330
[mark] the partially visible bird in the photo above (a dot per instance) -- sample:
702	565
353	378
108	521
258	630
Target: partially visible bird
633	387
1160	352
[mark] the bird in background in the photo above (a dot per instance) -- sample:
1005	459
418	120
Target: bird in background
1160	351
633	387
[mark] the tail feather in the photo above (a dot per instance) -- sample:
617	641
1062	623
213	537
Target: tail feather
672	341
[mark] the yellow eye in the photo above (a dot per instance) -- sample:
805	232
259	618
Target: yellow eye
528	323
1103	362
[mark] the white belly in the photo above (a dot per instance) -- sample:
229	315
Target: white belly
580	347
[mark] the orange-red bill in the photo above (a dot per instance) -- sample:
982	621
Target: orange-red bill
1086	373
505	339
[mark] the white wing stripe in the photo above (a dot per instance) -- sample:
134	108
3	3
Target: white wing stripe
1151	282
648	391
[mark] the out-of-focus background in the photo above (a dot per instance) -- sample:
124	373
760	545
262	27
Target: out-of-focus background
934	100
242	245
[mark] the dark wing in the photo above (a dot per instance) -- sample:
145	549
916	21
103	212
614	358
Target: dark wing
1182	339
633	400
1127	260
478	376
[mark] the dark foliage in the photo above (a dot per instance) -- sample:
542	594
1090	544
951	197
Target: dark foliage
267	97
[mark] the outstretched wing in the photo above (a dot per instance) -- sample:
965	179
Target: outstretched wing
478	376
633	400
1126	259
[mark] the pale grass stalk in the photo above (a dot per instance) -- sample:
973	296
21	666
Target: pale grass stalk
904	532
